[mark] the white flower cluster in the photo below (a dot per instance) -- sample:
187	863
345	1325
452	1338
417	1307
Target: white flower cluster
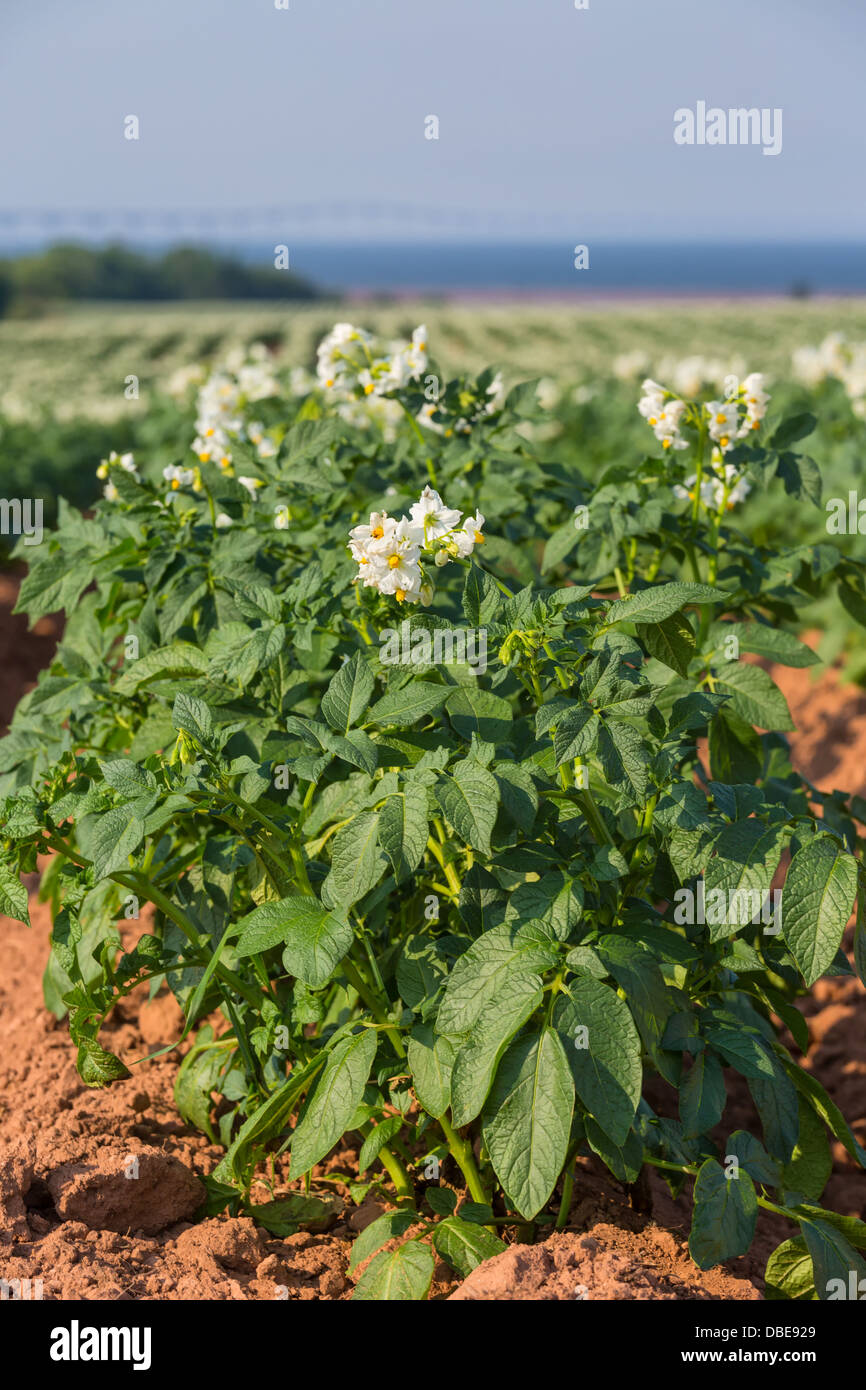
240	379
835	357
722	489
741	411
389	552
727	424
103	472
664	412
349	360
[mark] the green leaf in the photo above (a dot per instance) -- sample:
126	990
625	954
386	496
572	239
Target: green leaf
702	1095
114	836
380	1136
174	662
789	1273
746	859
476	1062
267	1121
809	1086
603	1050
575	734
725	1212
357	863
754	696
624	758
671	642
817	901
502	953
624	1160
655	604
834	1261
96	1067
194	717
464	1244
736	754
794	428
774	643
559	544
348	694
811	1163
519	794
285	1215
403	829
315	939
431	1059
398	1275
409	705
13	896
527	1120
474	711
335	1098
776	1103
752	1156
481	597
378	1233
469	798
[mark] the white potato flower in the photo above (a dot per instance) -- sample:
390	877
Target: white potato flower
431	518
178	477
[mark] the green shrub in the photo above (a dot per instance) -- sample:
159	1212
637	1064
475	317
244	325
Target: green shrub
461	909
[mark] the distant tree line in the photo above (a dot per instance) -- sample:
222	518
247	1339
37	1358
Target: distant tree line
69	271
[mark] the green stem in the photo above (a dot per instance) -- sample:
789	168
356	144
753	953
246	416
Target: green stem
567	1195
462	1150
448	869
396	1171
365	994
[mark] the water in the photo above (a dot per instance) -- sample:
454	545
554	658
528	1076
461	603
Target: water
614	267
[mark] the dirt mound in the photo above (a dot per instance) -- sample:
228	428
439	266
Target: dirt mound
606	1263
135	1189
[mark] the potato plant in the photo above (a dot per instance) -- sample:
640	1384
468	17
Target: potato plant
480	917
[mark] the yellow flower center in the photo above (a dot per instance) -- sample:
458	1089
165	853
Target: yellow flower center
175	484
377	533
393	561
400	595
479	539
666	443
756	424
209	431
724	441
204	456
721	419
653	420
368	388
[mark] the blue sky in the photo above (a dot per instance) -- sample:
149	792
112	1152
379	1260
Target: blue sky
553	121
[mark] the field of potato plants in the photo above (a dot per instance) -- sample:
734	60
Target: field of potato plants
416	727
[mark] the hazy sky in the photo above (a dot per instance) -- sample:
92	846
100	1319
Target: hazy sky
553	121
